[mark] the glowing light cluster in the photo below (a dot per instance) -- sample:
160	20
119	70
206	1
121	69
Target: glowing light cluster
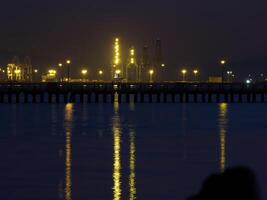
116	52
52	72
132	56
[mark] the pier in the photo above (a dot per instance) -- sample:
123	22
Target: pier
109	92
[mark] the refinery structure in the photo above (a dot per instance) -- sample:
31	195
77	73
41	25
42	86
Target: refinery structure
137	66
137	69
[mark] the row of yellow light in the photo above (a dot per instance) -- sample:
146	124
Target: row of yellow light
116	61
83	72
67	62
184	71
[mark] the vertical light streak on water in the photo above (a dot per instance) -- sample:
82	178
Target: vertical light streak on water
132	177
68	161
223	123
117	151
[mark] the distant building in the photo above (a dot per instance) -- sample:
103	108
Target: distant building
16	71
215	79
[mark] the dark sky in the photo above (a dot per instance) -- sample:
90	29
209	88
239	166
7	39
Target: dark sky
193	32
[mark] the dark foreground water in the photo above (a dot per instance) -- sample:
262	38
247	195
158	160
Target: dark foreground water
150	151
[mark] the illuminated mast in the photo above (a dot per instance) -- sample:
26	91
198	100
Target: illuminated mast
116	69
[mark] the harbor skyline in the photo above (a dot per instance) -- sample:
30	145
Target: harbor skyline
191	34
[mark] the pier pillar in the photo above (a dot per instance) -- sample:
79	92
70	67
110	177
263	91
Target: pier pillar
150	97
104	97
58	97
1	97
72	97
232	95
195	97
254	97
17	97
203	95
119	97
81	97
173	97
209	97
10	97
127	97
248	97
142	97
262	98
50	97
135	97
165	95
42	97
218	98
96	97
26	98
240	97
181	97
226	97
158	97
34	97
187	97
65	96
89	97
112	97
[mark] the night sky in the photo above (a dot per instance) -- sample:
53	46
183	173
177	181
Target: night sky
193	32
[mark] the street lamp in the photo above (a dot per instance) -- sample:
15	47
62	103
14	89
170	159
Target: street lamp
60	65
223	62
184	71
68	63
151	72
117	73
229	75
84	73
195	73
100	73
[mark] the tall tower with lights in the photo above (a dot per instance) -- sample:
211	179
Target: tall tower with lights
116	68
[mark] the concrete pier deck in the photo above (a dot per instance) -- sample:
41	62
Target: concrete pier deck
109	92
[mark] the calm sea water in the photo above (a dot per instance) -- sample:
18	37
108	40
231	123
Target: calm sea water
105	151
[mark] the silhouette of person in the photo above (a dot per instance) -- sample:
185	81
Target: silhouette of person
233	184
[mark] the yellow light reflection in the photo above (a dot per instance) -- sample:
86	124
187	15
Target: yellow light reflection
117	150
223	123
68	161
132	177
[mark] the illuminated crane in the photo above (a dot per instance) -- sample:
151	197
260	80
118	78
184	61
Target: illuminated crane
116	70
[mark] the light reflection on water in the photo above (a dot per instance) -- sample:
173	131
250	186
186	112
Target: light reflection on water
117	151
117	175
223	124
139	150
132	176
68	161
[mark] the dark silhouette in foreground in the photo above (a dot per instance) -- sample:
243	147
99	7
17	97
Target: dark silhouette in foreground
233	184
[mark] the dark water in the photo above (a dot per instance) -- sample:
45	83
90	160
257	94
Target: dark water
150	151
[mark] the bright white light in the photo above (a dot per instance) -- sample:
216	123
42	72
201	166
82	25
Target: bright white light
248	81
